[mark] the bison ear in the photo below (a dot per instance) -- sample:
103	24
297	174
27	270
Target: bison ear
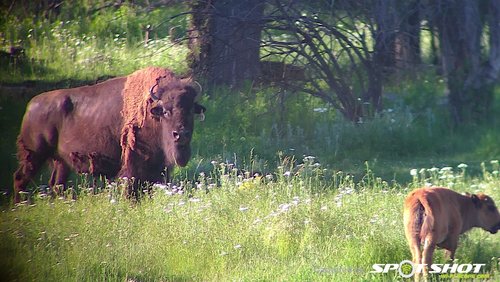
200	110
157	111
476	201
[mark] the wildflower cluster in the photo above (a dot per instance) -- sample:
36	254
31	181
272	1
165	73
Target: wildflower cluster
449	176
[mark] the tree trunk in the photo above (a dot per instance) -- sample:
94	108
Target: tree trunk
199	40
228	34
383	61
470	88
492	69
407	49
385	14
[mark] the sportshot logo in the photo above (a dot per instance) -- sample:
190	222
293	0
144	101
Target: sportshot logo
407	269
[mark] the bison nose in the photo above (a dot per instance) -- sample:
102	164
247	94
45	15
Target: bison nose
176	135
181	136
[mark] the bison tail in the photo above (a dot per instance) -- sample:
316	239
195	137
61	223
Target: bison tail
420	219
426	219
415	222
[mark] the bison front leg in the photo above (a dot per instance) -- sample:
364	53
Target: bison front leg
131	181
21	179
139	169
29	165
450	246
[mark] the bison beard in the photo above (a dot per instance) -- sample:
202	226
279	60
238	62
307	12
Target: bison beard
180	155
115	128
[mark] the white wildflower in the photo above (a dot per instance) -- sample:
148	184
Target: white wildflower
284	207
320	110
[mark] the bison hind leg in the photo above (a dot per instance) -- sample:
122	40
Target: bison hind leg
60	172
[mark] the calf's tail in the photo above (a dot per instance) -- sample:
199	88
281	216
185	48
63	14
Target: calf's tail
415	223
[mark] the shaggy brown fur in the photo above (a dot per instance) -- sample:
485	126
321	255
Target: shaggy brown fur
136	104
437	216
111	128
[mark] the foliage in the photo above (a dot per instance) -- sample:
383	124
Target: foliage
335	49
259	120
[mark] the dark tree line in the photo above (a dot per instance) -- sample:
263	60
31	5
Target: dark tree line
348	49
342	51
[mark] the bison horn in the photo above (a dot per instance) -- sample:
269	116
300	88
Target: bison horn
152	94
199	86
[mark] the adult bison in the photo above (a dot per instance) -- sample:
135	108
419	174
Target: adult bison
132	126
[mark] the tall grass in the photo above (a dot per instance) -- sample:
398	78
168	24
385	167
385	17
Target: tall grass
301	222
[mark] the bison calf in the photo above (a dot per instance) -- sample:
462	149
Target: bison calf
437	216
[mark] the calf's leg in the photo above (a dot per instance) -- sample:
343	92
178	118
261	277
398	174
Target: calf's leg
450	246
428	252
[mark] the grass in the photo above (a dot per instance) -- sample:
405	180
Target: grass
84	42
325	218
83	58
300	223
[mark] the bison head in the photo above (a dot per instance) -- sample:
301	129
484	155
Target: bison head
488	215
174	107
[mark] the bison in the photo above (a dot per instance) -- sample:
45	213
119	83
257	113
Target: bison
437	216
132	126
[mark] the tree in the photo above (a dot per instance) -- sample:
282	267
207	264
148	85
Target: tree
407	42
331	41
225	40
384	30
470	76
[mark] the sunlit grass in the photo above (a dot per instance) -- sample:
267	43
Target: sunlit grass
88	58
301	222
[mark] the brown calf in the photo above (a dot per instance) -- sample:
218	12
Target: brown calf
437	216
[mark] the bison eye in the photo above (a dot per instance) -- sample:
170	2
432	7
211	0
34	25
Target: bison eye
157	111
168	113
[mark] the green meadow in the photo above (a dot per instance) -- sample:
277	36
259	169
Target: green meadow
299	223
280	186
